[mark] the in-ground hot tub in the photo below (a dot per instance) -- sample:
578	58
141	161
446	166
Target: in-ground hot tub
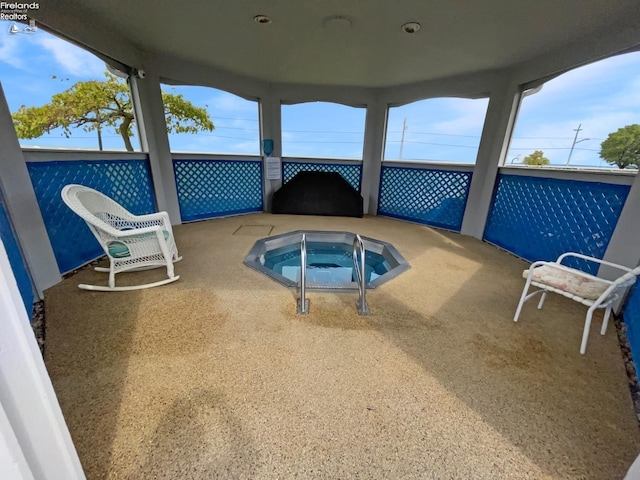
330	263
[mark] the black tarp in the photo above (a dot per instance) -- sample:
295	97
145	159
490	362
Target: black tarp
318	193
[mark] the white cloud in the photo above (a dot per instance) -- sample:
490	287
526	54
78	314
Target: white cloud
74	60
227	102
10	50
448	116
600	97
605	78
468	118
249	148
289	136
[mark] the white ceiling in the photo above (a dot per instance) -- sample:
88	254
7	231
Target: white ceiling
299	46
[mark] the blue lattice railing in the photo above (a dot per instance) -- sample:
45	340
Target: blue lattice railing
128	182
541	218
432	197
217	188
351	173
18	265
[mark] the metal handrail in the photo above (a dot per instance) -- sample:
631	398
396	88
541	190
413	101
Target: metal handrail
303	303
359	250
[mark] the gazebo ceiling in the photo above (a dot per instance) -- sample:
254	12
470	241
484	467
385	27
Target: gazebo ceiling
356	42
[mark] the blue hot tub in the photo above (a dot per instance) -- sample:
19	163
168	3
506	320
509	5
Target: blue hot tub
329	260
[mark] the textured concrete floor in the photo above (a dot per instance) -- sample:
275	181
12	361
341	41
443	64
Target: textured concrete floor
215	376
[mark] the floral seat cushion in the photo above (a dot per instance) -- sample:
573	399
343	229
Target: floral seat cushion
572	281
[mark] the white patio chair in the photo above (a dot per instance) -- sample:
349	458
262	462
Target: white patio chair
131	242
589	290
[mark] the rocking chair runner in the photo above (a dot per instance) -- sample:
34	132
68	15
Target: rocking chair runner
589	290
131	242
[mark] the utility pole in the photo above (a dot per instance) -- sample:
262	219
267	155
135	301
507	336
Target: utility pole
575	140
99	129
99	137
404	127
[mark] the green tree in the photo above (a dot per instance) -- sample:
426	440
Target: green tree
536	158
94	105
622	147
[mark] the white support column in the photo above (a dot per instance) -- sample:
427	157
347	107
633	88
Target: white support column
501	114
23	207
374	139
624	246
270	127
13	465
147	97
27	399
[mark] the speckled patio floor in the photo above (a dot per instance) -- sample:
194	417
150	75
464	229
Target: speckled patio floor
215	376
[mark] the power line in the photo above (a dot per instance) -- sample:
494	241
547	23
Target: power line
323	131
218	127
328	142
416	142
222	136
361	132
323	141
554	138
236	118
347	132
556	148
437	134
432	143
388	141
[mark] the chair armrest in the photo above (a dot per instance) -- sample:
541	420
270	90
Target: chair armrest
135	232
592	259
153	216
162	217
130	217
135	222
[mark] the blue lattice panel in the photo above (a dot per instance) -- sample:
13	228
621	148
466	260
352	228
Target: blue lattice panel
541	218
432	197
18	265
128	182
217	188
351	173
631	316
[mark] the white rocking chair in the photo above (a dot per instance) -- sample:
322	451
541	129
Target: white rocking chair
131	242
592	291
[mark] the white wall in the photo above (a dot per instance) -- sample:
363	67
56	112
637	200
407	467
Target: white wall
27	399
624	247
13	465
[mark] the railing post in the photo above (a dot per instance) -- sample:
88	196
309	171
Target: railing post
303	303
361	302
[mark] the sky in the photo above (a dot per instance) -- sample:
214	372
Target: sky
598	98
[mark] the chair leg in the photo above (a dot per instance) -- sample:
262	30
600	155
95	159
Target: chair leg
605	321
168	257
542	298
523	298
585	333
112	275
170	271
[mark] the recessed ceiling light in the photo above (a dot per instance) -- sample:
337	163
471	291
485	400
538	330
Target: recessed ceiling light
411	27
262	19
338	22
